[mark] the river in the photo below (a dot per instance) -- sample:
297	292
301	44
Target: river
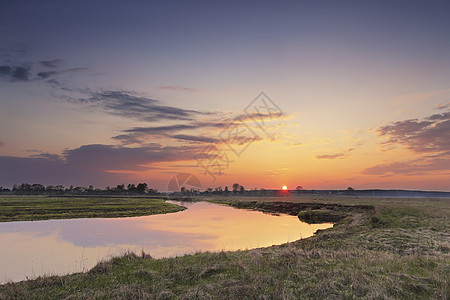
55	247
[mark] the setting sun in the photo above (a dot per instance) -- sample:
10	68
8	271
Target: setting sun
284	187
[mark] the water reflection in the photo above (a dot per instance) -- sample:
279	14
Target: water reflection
30	249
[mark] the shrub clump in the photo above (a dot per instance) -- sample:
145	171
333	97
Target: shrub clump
320	216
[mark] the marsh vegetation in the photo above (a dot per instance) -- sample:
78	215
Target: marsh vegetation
398	249
31	208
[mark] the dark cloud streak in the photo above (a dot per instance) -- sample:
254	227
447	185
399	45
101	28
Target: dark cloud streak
89	164
428	138
331	156
178	88
126	104
54	63
15	73
413	167
431	134
47	74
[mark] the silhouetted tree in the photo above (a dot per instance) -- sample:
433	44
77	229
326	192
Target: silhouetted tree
241	189
131	188
79	189
120	188
141	188
152	191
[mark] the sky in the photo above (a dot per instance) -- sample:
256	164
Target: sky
318	94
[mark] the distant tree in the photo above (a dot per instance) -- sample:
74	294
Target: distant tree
226	191
4	189
350	188
79	189
131	188
241	189
120	188
152	191
236	187
183	190
209	190
24	188
141	188
37	188
299	188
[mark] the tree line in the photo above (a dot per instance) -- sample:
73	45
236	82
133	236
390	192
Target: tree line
40	189
142	189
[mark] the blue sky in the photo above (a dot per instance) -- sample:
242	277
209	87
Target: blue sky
75	75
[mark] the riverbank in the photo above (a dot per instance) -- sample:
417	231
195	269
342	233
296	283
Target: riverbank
32	208
398	249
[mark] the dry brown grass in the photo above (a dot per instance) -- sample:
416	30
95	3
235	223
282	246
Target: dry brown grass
404	255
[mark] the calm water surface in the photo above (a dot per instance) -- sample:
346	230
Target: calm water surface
30	249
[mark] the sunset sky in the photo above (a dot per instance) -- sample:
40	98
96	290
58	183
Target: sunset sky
355	93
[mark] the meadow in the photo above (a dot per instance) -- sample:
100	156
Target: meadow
380	248
32	208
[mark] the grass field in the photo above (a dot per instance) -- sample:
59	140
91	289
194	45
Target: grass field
398	250
30	208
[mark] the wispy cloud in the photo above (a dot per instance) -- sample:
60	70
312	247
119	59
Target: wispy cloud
47	74
431	134
335	155
331	156
411	167
110	157
54	63
174	128
27	71
178	88
90	164
128	104
202	139
15	73
443	106
428	138
206	131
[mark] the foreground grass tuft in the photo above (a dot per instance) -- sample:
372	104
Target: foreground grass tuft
398	250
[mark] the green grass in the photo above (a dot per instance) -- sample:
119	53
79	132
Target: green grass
320	216
399	250
30	208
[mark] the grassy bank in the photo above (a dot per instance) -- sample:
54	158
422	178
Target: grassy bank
398	250
30	208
